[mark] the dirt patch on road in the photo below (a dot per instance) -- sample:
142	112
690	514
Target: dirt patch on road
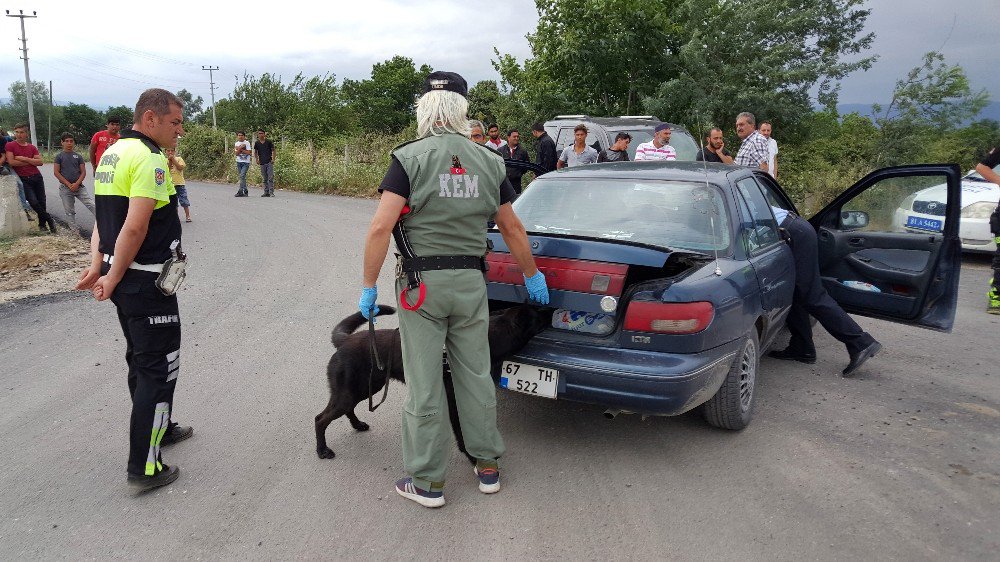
40	265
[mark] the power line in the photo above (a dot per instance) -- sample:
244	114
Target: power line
134	52
149	55
151	76
63	66
104	81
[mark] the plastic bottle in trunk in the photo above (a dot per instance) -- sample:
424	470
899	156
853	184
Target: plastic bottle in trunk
586	322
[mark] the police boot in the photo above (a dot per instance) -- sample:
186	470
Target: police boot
140	484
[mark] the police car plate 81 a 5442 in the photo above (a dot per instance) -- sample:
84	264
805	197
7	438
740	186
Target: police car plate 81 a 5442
529	379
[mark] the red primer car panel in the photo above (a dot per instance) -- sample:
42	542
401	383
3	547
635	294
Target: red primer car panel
560	273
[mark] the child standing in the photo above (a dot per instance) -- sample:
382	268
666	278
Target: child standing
177	166
70	169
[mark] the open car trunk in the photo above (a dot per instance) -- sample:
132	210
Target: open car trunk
587	294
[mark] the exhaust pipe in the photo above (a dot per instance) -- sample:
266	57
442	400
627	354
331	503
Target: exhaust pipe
611	414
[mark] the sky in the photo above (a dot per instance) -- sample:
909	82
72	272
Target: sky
105	53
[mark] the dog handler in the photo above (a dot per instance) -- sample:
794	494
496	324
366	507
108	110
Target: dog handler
437	196
136	234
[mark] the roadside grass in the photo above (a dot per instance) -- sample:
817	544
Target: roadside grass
6	242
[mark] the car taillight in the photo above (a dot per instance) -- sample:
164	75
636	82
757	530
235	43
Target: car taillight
668	317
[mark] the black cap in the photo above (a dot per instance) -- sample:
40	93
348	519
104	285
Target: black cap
448	81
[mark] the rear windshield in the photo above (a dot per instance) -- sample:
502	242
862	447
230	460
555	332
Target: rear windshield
682	141
672	214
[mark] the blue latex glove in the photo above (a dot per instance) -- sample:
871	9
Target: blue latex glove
538	291
367	302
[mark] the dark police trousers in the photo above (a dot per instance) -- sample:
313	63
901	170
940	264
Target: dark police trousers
151	324
810	298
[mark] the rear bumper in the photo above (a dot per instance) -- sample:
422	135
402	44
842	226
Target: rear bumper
641	382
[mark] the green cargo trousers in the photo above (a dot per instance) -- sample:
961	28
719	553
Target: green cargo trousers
455	316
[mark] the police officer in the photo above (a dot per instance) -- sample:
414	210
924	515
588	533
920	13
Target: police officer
136	227
436	198
810	298
988	169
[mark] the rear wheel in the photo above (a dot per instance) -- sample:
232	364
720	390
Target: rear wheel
732	406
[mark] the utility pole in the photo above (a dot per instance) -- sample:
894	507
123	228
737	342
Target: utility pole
51	103
211	83
27	77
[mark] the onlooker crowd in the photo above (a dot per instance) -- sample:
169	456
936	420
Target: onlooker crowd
757	148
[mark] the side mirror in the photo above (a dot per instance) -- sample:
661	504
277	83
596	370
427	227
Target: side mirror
853	220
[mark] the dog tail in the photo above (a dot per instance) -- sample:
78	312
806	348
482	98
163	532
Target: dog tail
348	325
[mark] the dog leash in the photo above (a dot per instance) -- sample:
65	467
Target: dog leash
376	361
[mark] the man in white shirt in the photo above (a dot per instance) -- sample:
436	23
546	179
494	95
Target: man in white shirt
772	149
658	148
494	141
243	151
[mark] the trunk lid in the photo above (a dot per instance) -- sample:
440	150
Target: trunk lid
575	284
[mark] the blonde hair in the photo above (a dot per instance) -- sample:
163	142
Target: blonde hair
440	112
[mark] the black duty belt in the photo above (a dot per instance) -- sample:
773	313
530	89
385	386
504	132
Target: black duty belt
435	263
413	266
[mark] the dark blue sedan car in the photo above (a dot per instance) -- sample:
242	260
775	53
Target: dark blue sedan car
670	280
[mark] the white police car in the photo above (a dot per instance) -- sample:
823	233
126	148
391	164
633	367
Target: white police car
924	212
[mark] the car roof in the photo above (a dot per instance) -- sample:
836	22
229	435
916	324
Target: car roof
673	170
614	122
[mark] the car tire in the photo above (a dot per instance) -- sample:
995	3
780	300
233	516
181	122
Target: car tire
732	406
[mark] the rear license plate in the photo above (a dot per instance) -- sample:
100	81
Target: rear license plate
529	379
920	223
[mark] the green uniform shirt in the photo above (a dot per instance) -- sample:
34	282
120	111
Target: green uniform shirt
135	167
454	190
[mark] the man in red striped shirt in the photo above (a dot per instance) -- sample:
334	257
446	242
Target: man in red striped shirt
658	148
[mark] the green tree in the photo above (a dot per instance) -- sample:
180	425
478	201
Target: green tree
124	113
192	105
16	109
256	103
763	56
483	100
934	93
603	55
81	121
385	102
319	112
696	62
933	100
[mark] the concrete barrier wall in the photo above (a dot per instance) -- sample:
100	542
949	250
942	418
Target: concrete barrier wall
13	221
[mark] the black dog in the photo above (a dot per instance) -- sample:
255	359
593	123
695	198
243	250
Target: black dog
349	368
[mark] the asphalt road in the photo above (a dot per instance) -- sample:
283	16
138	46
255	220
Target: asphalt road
900	463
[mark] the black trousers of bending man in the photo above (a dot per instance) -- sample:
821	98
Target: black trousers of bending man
811	298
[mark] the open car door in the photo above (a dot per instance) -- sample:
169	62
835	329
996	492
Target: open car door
878	258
